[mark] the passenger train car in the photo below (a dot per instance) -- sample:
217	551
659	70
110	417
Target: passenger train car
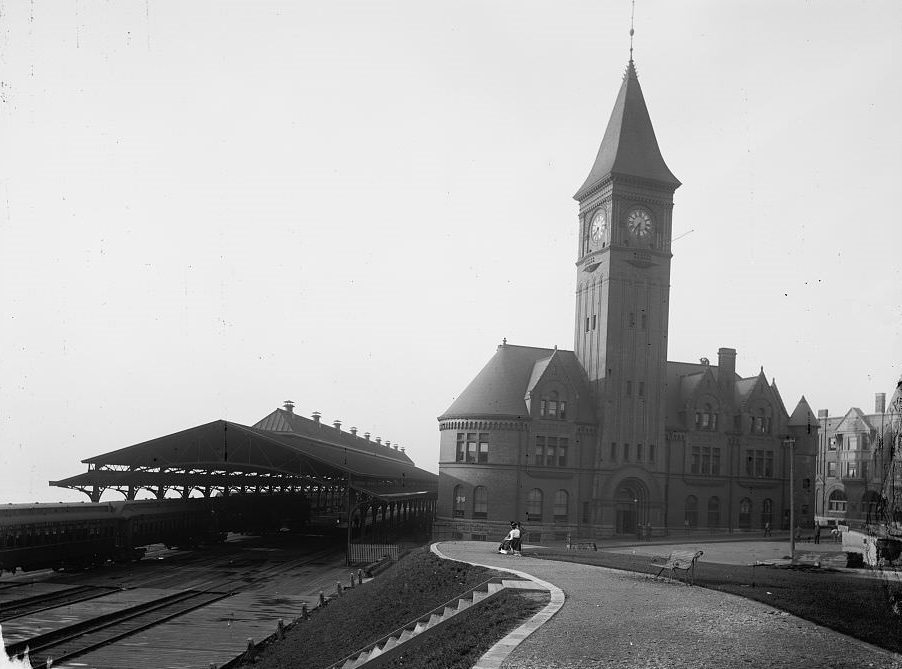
77	535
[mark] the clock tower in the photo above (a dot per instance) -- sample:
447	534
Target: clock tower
623	287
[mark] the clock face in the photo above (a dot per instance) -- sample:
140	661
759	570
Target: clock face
599	226
639	223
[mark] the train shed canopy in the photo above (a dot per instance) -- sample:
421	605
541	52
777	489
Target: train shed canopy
282	451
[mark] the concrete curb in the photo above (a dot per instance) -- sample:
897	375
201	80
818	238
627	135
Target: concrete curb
495	655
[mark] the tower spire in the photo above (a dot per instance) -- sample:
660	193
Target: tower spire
632	32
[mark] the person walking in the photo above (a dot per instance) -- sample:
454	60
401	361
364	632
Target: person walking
817	533
767	529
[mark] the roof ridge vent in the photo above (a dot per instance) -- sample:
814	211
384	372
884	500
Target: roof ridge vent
316	416
336	424
289	406
353	431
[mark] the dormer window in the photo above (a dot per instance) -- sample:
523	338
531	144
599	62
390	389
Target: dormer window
760	422
706	418
553	407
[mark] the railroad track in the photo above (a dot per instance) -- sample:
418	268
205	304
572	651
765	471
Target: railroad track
73	640
51	600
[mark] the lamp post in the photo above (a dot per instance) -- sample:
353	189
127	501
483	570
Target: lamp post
790	443
636	517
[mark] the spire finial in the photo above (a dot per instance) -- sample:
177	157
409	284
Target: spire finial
632	32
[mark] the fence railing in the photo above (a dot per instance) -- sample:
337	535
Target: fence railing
367	553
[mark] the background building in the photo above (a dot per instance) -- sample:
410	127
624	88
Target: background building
850	471
611	438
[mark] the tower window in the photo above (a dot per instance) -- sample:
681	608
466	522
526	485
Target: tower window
587	323
614	450
472	447
594	321
641	388
483	455
626	452
651	452
638	452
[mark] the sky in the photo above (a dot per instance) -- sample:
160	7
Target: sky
209	208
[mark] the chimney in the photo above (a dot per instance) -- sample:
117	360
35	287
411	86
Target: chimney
316	415
396	447
354	431
726	371
366	435
289	406
337	425
880	403
402	449
378	440
388	443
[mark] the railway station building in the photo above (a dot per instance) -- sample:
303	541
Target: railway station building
611	438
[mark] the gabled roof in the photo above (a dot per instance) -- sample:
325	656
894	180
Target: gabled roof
802	415
629	147
538	369
229	448
745	388
501	387
776	391
854	421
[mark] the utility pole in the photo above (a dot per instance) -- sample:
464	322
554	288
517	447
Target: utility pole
790	444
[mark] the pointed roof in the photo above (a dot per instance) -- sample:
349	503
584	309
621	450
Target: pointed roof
501	388
629	147
802	415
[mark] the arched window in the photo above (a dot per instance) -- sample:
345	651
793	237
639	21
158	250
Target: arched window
691	511
837	501
767	512
561	504
745	513
534	505
460	501
713	511
480	502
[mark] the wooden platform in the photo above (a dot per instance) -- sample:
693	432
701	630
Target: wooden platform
213	634
18	591
26	627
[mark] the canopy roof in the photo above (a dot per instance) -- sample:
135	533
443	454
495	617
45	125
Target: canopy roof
223	453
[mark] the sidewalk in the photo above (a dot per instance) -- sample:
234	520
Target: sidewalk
614	618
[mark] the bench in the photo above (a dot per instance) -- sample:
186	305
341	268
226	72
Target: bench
684	560
580	545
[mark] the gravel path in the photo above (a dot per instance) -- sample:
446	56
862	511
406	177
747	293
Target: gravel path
614	618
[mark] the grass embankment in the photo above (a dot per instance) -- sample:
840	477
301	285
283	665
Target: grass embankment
845	602
414	586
